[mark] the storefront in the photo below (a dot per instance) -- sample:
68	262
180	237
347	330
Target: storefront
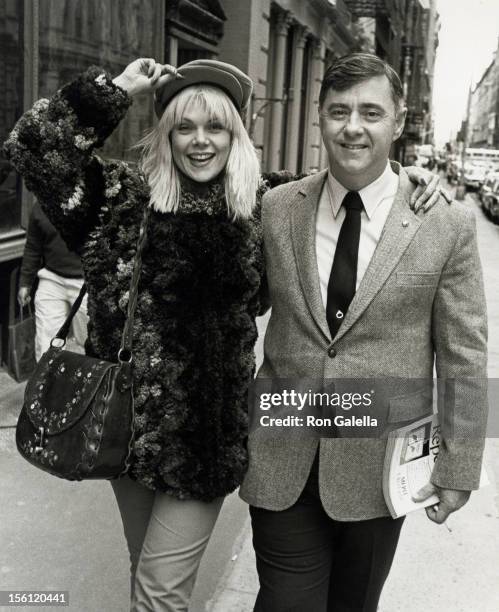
45	43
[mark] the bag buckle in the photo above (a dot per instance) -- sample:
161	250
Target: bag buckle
41	433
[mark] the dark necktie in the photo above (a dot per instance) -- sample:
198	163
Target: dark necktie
343	277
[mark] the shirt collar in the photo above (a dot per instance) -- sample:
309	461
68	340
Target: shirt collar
385	186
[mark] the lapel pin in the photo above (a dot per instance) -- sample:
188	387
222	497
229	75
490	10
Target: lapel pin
405	223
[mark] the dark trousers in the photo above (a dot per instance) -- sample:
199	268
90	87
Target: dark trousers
308	561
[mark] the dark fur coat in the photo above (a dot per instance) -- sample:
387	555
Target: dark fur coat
194	329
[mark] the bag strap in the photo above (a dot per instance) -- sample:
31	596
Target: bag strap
63	332
125	352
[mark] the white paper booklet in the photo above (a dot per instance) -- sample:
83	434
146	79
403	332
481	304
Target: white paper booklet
411	453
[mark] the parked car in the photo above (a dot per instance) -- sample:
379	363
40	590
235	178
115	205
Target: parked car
487	185
490	199
474	175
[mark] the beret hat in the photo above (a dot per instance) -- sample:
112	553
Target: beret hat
209	72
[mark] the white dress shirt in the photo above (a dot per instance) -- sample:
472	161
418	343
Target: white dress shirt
377	198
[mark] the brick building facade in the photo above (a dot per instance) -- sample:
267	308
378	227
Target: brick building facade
483	113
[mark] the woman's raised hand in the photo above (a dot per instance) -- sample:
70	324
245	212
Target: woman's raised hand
428	189
145	75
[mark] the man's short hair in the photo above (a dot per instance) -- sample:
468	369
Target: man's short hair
354	68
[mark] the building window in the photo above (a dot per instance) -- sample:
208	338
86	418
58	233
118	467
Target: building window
189	54
75	34
45	44
11	61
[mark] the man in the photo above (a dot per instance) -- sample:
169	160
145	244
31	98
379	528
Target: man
360	287
60	278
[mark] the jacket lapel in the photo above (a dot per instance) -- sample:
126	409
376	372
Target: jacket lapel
303	218
400	228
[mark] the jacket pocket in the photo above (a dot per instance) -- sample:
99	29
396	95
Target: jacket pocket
418	279
410	407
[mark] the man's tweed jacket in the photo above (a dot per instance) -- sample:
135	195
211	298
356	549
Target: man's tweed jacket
421	303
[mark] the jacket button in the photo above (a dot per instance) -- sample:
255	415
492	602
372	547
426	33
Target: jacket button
331	351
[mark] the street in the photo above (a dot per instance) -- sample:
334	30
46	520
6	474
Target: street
58	535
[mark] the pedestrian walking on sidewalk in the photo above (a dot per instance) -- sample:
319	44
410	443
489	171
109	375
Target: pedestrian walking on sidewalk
199	293
60	277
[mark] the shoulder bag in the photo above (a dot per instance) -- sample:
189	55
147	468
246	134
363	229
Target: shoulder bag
77	418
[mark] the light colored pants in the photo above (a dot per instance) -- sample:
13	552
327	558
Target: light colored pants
53	300
166	539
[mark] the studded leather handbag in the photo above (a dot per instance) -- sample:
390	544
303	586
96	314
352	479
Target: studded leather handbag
77	418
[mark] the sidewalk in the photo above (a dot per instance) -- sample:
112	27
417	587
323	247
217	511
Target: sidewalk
60	535
433	570
11	398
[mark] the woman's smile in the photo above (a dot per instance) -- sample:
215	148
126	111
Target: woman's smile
200	160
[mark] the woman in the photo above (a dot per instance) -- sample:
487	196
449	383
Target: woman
195	328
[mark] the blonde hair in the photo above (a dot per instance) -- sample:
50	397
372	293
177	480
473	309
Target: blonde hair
242	171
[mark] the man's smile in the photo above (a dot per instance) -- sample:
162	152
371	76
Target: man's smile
353	147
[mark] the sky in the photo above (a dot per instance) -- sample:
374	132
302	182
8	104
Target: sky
468	38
